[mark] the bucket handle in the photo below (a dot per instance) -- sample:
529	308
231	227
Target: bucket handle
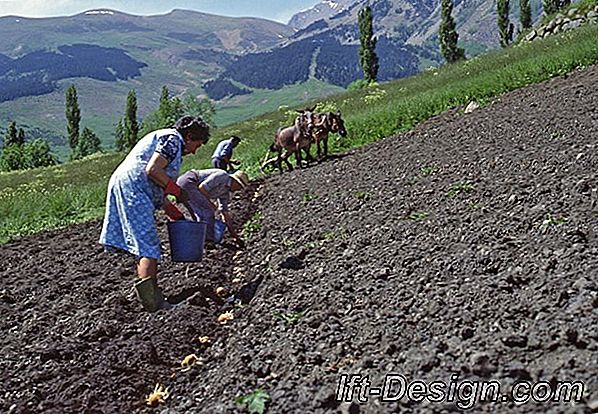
191	212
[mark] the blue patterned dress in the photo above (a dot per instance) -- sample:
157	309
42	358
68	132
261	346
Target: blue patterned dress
133	197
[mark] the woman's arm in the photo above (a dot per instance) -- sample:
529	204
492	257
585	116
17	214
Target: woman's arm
156	171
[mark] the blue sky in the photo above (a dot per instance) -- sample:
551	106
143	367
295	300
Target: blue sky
279	10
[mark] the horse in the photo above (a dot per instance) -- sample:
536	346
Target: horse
323	124
291	140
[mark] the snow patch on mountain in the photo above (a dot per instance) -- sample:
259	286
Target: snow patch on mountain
323	10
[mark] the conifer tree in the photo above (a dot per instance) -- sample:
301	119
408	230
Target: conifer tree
21	137
448	34
130	123
203	108
368	60
18	155
11	158
89	143
505	29
11	137
525	14
171	109
164	108
119	137
37	154
73	117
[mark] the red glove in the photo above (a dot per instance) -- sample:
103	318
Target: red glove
172	212
175	190
172	188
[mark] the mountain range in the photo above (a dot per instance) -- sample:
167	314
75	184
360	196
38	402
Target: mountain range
248	65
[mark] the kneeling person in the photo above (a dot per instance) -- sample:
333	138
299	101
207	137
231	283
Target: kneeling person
209	192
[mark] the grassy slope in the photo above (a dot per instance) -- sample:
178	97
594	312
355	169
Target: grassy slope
35	200
262	101
102	103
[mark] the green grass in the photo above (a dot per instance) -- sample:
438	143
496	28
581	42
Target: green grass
48	198
262	101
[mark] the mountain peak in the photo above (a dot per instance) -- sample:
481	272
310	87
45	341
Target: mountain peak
323	10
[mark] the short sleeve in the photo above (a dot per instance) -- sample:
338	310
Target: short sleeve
215	180
168	147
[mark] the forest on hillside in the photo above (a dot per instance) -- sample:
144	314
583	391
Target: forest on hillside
36	73
336	63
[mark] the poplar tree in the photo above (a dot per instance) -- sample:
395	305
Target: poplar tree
73	117
21	137
170	109
367	51
525	14
505	29
119	137
130	124
448	34
164	107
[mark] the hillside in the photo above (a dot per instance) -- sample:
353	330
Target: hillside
326	45
466	247
413	21
105	53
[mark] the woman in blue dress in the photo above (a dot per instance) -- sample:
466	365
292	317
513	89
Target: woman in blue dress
137	188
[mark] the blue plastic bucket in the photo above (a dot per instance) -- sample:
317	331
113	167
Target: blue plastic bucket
186	240
219	228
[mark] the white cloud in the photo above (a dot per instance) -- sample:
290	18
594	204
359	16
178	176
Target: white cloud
280	10
39	8
45	8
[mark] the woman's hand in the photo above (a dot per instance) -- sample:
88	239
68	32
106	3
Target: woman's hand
180	193
172	212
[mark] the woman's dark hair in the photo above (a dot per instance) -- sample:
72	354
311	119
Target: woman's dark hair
200	130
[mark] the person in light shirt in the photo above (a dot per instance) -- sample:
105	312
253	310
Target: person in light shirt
209	192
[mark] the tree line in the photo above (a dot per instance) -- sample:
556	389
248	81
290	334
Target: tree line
17	154
447	33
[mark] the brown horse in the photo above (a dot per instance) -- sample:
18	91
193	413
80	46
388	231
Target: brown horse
291	140
323	124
